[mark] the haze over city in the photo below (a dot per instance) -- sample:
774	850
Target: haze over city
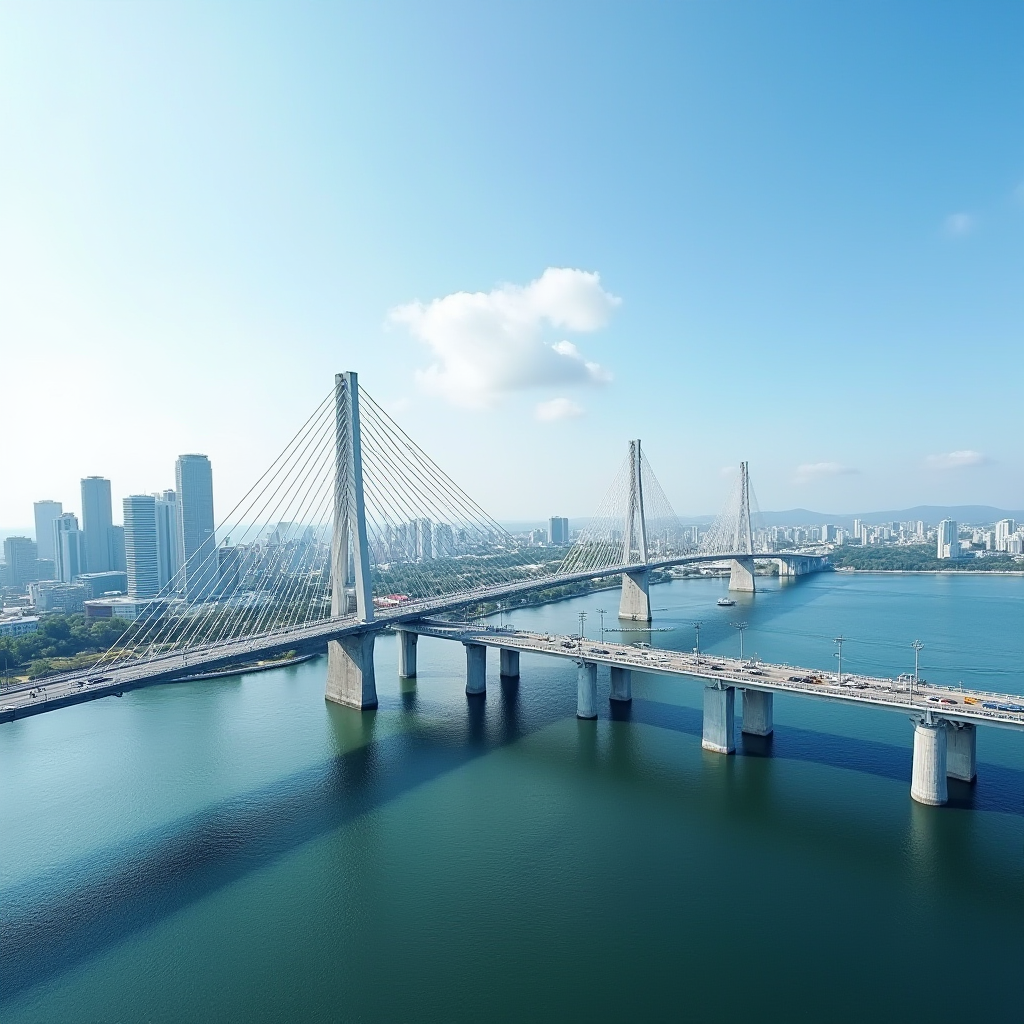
533	231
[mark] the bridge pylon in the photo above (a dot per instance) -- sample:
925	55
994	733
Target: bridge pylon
741	573
350	677
635	603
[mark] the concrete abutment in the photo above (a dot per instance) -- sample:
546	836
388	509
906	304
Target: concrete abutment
928	783
719	719
350	678
741	575
758	710
622	684
586	690
635	603
509	663
407	653
961	751
476	668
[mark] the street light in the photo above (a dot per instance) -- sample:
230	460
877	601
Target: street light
739	626
602	613
696	627
583	618
918	648
839	640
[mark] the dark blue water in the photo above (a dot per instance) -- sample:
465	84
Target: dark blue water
238	850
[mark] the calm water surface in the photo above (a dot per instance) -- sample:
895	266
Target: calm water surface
239	850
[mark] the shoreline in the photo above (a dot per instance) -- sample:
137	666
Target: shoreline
933	572
243	670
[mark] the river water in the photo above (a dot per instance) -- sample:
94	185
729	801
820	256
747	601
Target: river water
239	850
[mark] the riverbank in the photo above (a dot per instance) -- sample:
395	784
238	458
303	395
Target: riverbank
931	572
243	670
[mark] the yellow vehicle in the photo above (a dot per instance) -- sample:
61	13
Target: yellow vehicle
971	700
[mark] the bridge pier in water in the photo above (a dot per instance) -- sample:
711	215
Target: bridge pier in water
962	751
635	603
508	663
406	653
741	575
586	690
476	669
622	684
719	719
758	708
350	678
928	782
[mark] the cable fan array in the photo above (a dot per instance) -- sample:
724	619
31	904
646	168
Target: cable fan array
728	533
270	566
603	542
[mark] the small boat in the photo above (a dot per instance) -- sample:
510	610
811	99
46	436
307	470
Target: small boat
725	602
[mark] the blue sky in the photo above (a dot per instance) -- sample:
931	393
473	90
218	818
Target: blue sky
789	233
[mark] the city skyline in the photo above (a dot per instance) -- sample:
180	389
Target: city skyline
684	227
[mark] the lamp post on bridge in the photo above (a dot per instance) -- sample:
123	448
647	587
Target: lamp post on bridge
740	626
839	640
918	648
583	618
696	627
602	613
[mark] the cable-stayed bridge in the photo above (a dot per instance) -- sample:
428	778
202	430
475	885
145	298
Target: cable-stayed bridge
353	528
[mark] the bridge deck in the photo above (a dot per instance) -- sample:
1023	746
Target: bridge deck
749	675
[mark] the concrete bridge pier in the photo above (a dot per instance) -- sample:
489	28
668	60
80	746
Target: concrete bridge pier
635	603
962	751
476	668
719	719
350	678
622	684
509	663
741	576
586	690
407	653
758	708
928	782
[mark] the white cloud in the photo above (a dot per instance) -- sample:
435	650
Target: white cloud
817	470
958	460
957	225
558	409
486	344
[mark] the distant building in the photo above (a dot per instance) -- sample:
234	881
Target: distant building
424	540
193	478
52	596
21	626
1005	529
129	608
140	542
45	513
168	540
68	548
22	562
538	537
118	557
97	519
558	530
103	584
948	539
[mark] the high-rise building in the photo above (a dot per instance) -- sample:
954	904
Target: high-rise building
193	478
424	540
1005	529
558	530
97	519
20	556
140	545
948	539
167	539
68	547
118	559
45	513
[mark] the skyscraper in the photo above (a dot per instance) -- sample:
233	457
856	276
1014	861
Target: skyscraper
97	519
559	530
140	545
948	539
21	559
168	544
45	513
68	547
1005	529
193	477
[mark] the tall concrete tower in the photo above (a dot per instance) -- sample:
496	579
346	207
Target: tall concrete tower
140	544
193	476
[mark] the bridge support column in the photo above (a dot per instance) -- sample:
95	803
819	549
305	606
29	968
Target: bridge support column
407	653
928	783
741	576
509	663
350	678
758	707
476	668
622	684
635	603
719	719
586	690
961	751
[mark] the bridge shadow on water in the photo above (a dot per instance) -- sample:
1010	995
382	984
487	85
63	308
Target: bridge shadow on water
64	917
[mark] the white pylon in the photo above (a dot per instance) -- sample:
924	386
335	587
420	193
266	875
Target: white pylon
635	509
